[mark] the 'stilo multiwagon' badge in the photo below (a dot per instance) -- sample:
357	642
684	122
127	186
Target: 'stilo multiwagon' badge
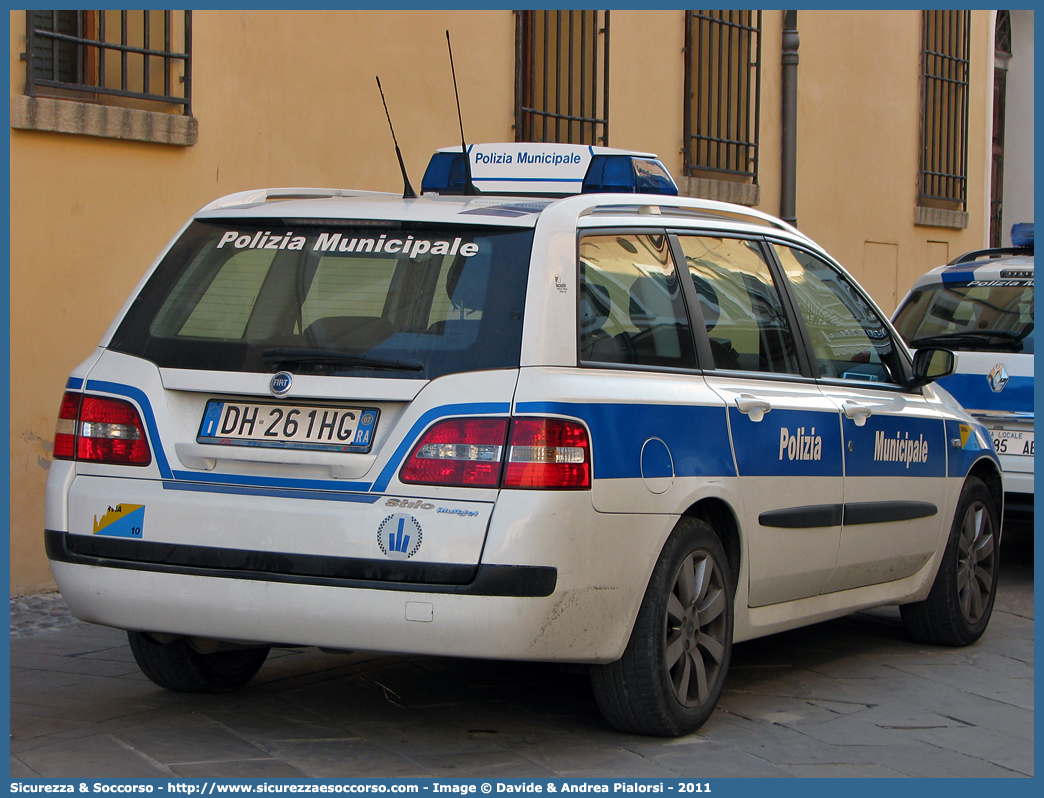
399	536
281	383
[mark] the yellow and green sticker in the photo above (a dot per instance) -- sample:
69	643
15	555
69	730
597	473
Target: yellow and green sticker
122	521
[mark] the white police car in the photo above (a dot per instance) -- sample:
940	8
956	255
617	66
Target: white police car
981	305
623	429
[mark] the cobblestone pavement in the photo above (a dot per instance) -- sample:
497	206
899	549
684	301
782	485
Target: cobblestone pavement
31	615
851	697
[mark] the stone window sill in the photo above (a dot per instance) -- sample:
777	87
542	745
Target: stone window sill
748	194
940	217
106	121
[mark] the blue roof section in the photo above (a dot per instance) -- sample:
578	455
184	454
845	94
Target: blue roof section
957	274
986	269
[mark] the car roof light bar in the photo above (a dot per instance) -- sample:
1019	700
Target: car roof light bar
546	170
1022	235
1021	240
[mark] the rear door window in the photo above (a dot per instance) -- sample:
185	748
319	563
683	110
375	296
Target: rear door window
744	315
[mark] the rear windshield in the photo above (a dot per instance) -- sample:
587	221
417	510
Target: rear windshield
390	301
973	316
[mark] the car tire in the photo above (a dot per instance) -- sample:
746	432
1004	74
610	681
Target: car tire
179	667
958	608
671	674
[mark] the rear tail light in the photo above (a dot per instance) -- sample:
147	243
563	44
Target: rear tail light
459	451
543	453
100	429
548	453
65	429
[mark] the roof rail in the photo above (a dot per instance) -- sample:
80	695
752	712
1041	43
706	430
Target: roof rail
995	252
262	195
692	208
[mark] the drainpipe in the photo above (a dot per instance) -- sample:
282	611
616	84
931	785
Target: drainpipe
788	165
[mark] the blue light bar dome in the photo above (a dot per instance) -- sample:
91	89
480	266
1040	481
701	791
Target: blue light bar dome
545	170
1022	235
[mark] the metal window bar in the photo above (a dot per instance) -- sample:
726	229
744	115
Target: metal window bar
944	113
722	92
90	75
562	76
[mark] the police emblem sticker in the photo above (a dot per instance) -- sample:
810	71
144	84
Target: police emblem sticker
121	521
399	536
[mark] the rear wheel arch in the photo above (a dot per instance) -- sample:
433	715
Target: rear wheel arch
722	520
669	678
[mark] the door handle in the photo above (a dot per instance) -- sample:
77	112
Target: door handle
857	412
752	406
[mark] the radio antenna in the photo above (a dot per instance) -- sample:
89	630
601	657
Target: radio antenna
469	187
407	192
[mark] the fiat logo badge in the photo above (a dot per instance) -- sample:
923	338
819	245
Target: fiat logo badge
998	378
281	383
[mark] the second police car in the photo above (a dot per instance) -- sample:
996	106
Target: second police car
981	305
548	410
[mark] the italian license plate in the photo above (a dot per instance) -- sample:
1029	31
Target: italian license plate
285	426
1013	441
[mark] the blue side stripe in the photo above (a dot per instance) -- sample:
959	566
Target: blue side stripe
272	482
759	444
146	409
974	392
465	409
327	495
960	461
269	486
696	435
74	384
889	428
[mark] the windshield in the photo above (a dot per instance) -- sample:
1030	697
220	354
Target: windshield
392	300
970	316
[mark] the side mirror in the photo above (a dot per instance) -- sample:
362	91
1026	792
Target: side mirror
931	364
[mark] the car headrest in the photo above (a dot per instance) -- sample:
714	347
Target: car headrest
467	280
595	306
651	300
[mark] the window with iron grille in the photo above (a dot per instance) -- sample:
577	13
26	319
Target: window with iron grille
562	76
142	55
944	109
722	92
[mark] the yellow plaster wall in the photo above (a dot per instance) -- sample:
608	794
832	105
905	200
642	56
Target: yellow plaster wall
858	145
646	83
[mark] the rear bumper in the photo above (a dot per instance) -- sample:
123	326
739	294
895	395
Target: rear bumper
304	569
361	619
556	582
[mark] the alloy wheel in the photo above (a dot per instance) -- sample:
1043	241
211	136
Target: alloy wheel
976	561
695	628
